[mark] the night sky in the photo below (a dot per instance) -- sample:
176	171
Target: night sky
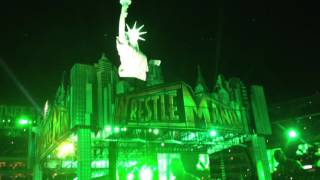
271	43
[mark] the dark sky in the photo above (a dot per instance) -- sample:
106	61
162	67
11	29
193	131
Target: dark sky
271	43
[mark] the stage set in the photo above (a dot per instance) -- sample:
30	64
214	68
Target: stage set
127	123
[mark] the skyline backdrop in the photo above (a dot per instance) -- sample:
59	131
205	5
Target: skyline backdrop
273	44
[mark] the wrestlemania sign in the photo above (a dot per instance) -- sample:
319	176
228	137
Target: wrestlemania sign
174	105
54	129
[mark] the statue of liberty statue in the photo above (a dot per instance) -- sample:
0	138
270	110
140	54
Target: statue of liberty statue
133	61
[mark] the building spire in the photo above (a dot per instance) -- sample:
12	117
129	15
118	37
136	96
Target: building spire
104	64
63	78
103	56
221	90
60	95
201	86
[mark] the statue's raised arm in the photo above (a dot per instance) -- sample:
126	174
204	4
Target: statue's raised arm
122	22
133	61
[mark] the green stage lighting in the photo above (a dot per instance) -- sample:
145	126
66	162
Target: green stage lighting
65	149
130	176
318	163
116	129
156	131
213	133
145	173
292	134
23	122
108	129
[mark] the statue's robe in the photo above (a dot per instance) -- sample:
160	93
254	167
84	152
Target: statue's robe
133	62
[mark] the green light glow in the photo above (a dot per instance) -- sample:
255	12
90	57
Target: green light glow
65	149
213	133
273	163
74	138
108	129
260	169
203	162
156	131
302	149
116	129
130	176
292	134
145	173
100	164
23	122
307	167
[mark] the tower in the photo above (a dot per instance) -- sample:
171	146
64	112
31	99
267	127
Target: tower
106	80
201	87
82	86
155	74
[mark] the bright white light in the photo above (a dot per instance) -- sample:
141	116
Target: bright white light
74	138
45	109
116	129
108	129
145	173
292	134
65	149
23	121
213	133
130	176
100	164
156	131
307	167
